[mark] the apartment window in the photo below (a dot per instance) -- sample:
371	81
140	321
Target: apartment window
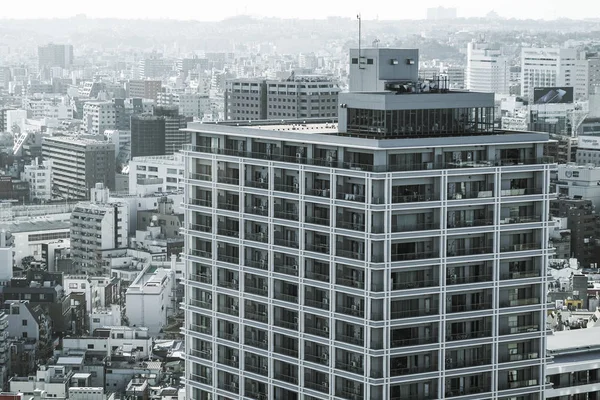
355	61
24	322
90	346
24	334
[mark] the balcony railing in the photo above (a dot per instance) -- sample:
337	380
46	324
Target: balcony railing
229	180
286	269
455	364
256	395
292	216
259	264
286	351
519	357
228	232
518	384
349	394
358	341
467	391
292	325
521	247
259	290
320	387
521	274
354	367
318	248
201	303
419	312
413	284
350	225
257	237
228	259
349	254
317	358
416	341
469	335
317	276
469	251
229	361
201	379
286	188
317	220
201	202
261	344
286	297
319	192
453	308
264	211
415	227
202	278
353	311
341	195
207	330
415	198
472	194
286	378
228	283
520	302
322	304
231	310
229	336
525	328
258	316
228	206
359	284
470	223
322	332
287	243
458	280
419	255
412	370
521	219
257	369
521	191
230	387
200	227
262	184
201	253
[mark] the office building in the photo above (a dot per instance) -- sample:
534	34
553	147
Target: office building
55	55
97	225
78	164
154	67
582	221
39	177
487	69
168	170
144	89
579	182
400	253
98	116
299	96
548	67
147	135
191	105
175	136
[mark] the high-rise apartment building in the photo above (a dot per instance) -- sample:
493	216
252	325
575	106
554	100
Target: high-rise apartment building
147	135
549	67
191	105
488	70
175	136
398	254
98	116
78	164
144	89
97	225
55	55
308	96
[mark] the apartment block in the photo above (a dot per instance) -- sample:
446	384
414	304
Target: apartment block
98	116
397	254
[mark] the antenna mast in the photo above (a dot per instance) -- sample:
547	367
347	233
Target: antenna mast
359	34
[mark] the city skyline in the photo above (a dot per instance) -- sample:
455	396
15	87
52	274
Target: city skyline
311	9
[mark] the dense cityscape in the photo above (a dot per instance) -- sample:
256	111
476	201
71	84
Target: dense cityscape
267	208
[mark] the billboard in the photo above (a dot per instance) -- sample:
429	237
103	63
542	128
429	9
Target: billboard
553	95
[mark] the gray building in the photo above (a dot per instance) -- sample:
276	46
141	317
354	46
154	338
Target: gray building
301	96
78	164
175	136
147	136
55	55
398	254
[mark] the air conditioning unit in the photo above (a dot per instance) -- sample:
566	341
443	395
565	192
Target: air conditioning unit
325	301
326	329
234	359
295	267
298	155
354	364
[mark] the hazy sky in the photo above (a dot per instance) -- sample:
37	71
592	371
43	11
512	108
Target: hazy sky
385	9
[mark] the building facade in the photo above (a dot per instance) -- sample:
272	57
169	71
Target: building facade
144	89
169	169
147	136
98	116
78	164
55	55
548	67
404	263
487	69
175	136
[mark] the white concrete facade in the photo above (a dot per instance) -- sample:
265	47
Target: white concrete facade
39	177
98	116
487	69
548	67
168	168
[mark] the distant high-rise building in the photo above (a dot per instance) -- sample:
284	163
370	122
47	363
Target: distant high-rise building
175	137
147	135
192	105
441	13
302	96
144	89
488	70
110	221
98	116
78	164
548	67
155	67
55	55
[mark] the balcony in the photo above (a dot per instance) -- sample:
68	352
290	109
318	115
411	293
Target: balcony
316	276
200	227
286	243
321	358
201	304
292	325
317	220
257	237
527	273
283	268
521	191
316	303
230	387
201	202
415	198
518	384
515	330
229	336
406	285
228	259
290	216
201	278
521	219
403	371
350	254
348	196
286	378
200	177
261	290
355	283
451	364
263	211
256	395
228	231
313	330
257	369
207	330
318	248
201	253
357	341
258	316
469	251
201	379
228	283
472	194
467	391
261	344
231	310
286	188
286	351
228	205
470	223
413	341
260	184
459	280
521	247
469	335
354	367
229	180
354	311
520	302
454	308
349	224
286	297
415	227
519	357
258	264
418	255
318	386
413	313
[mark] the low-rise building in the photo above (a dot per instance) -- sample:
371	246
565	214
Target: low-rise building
168	168
39	177
53	380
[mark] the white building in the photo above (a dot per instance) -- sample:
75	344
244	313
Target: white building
53	380
86	393
574	372
189	104
6	256
488	70
100	291
31	236
579	181
98	116
167	168
588	150
373	259
96	226
108	316
24	321
149	299
550	67
120	339
39	177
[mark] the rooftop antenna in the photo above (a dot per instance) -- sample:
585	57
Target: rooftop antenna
358	17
